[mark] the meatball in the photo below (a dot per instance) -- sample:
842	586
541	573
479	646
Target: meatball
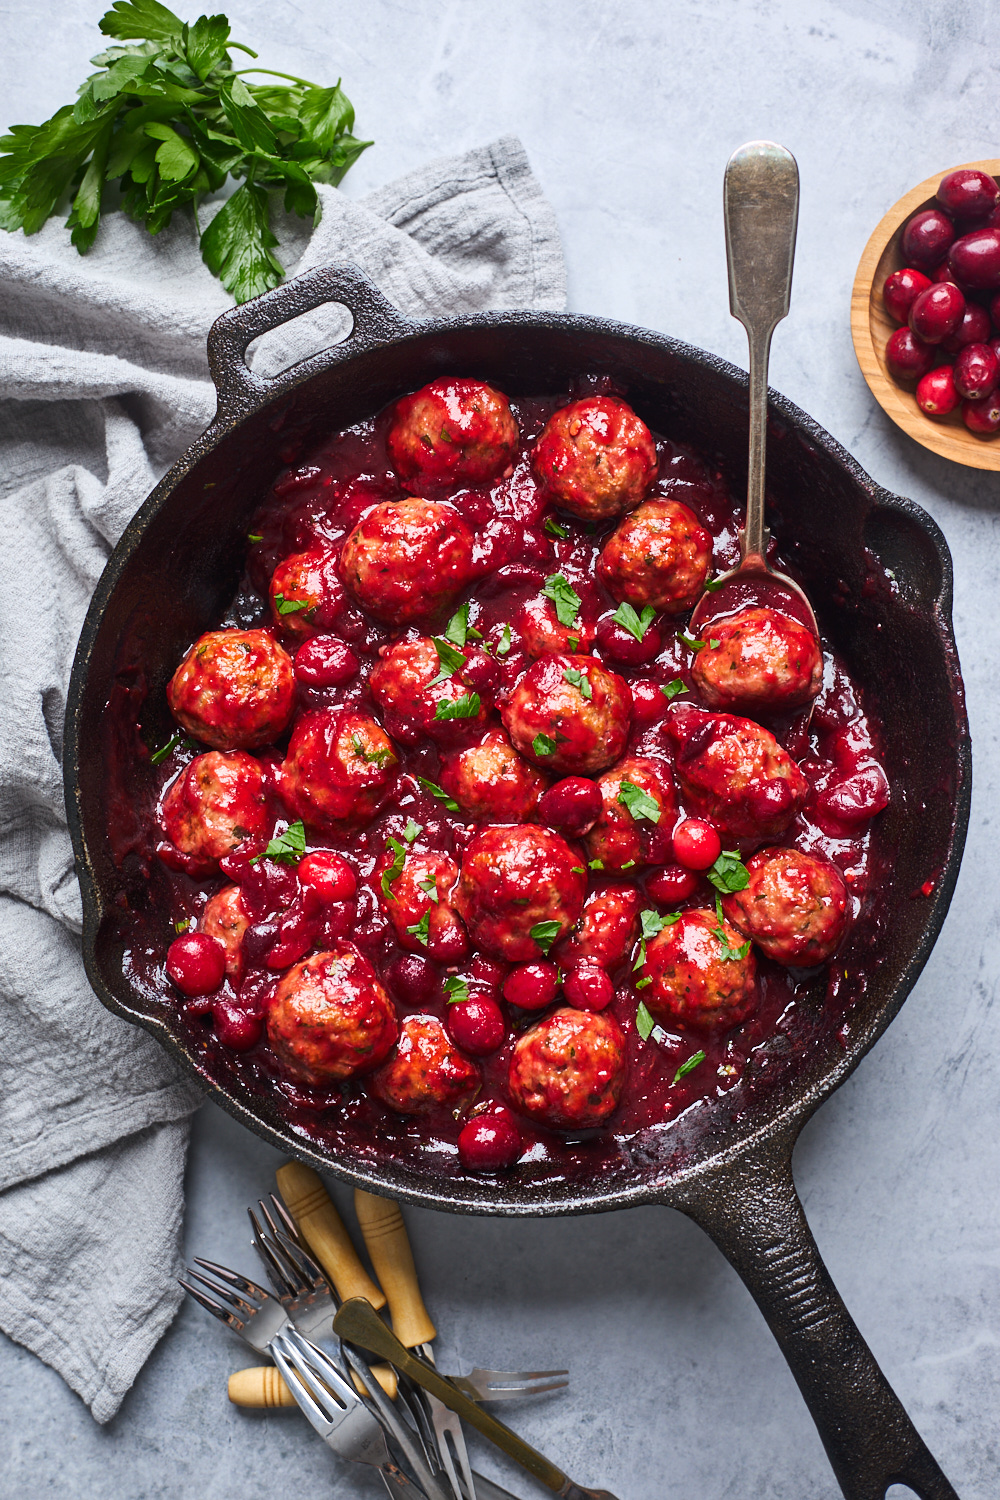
596	458
733	772
225	918
215	803
427	1071
451	433
306	593
638	815
542	633
340	768
569	714
515	880
659	555
405	684
235	689
421	890
329	1018
764	660
568	1071
490	782
605	931
794	907
693	981
407	559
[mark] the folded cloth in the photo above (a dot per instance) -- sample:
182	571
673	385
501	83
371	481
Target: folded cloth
103	382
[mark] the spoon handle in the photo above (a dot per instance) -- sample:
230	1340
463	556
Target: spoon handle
761	204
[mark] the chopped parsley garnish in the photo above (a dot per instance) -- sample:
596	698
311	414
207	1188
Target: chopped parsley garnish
691	641
438	792
545	934
392	872
421	930
729	873
714	645
694	1061
671	689
183	925
287	848
729	955
644	1022
712	585
503	645
379	757
291	606
429	888
650	924
580	681
543	744
458	630
564	597
639	803
255	536
174	743
451	660
556	528
466	707
412	830
455	989
596	864
579	870
641	984
636	625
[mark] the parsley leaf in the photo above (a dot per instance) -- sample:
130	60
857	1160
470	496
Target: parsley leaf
673	688
438	792
290	606
175	742
580	681
596	864
729	955
412	830
712	585
729	873
556	528
545	934
451	660
183	925
694	1061
636	625
429	888
651	924
503	645
255	536
422	930
543	744
455	989
644	1022
457	629
287	848
466	707
380	757
639	803
692	642
392	872
564	597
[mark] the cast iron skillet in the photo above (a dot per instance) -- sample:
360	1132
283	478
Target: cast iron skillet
174	572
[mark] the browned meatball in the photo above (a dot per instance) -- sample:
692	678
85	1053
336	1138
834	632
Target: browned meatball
659	555
306	593
595	457
225	918
329	1018
542	633
735	773
515	880
638	816
795	906
407	559
235	689
569	714
490	782
405	684
452	432
416	898
427	1071
340	768
764	661
605	931
698	977
568	1071
216	803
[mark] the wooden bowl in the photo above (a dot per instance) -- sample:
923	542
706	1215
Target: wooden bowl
871	326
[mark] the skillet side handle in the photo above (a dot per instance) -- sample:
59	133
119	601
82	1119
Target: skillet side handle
239	390
751	1210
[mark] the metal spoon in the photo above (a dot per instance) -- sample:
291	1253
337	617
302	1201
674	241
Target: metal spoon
761	203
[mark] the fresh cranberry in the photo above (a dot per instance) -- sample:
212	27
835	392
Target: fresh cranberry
328	874
237	1029
412	978
671	884
968	193
619	644
476	1025
937	312
973	329
900	290
943	273
976	371
649	703
196	963
489	1143
982	416
480	672
531	986
858	797
995	346
995	311
908	357
696	844
588	987
325	661
485	971
974	260
572	806
936	393
926	239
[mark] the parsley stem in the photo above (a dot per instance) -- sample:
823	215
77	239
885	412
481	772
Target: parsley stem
272	72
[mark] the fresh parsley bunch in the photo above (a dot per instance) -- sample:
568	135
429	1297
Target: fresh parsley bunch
169	119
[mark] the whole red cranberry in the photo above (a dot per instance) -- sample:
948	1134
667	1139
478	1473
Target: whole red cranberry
237	1029
968	193
489	1143
926	239
481	672
328	874
531	986
487	972
995	311
976	371
413	978
943	273
588	987
900	290
476	1025
696	844
907	356
325	661
671	884
995	346
572	806
982	416
196	963
618	644
936	393
649	703
974	260
973	329
937	312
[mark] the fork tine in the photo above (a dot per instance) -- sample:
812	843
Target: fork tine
233	1299
215	1308
515	1377
319	1373
304	1263
297	1386
516	1392
273	1264
233	1278
290	1226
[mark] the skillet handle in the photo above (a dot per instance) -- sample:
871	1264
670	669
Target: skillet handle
751	1210
239	390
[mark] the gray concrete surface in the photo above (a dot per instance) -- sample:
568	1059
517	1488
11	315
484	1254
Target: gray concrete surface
628	111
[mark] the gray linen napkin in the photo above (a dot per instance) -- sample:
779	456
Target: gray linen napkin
103	382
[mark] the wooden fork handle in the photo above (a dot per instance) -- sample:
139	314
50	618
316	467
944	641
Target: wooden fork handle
389	1249
263	1386
312	1208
